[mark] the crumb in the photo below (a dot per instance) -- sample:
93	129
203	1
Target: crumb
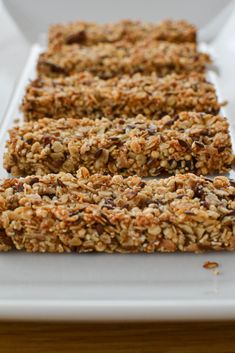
16	121
216	272
208	265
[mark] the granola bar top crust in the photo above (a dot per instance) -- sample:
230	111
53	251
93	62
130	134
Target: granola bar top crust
87	95
60	212
89	33
186	142
108	60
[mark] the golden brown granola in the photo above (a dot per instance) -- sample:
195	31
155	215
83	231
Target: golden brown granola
89	33
108	60
185	142
87	95
61	212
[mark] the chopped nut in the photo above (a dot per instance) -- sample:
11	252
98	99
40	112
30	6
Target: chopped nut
99	228
76	38
135	146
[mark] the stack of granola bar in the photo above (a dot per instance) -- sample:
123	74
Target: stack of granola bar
112	104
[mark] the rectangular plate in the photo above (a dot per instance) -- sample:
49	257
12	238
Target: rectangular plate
111	287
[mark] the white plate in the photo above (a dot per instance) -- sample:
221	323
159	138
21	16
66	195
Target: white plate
104	287
110	287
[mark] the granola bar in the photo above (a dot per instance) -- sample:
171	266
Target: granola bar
87	95
108	60
64	213
89	33
193	142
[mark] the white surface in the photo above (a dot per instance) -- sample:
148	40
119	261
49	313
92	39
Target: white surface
103	287
14	50
119	287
